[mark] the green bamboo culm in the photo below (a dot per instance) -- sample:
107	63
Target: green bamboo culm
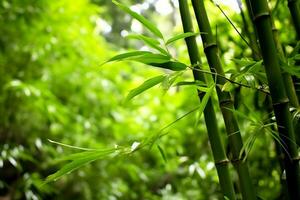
225	101
221	161
294	6
288	81
280	101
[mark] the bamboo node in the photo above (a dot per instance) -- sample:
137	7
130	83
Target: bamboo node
209	45
260	15
237	160
281	101
222	162
296	159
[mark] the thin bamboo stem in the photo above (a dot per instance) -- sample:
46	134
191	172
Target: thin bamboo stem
221	161
294	6
225	99
280	101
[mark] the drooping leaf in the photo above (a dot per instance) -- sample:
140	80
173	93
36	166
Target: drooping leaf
86	157
162	153
150	42
204	100
145	86
180	36
149	25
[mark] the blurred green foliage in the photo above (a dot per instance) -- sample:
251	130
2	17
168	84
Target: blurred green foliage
53	88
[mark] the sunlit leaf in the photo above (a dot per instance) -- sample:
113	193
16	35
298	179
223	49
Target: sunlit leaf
127	55
87	157
150	42
180	36
149	25
145	86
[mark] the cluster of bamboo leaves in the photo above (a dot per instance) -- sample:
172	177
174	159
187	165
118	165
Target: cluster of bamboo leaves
251	74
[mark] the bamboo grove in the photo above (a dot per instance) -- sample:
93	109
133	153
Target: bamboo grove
281	90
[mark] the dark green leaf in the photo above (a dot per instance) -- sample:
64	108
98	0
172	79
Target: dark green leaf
171	65
162	153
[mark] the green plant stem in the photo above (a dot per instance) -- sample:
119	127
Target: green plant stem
288	81
226	102
294	6
255	48
280	101
220	158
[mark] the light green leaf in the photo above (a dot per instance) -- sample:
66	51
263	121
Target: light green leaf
127	55
180	36
151	58
243	62
149	25
150	42
86	157
204	100
145	86
228	86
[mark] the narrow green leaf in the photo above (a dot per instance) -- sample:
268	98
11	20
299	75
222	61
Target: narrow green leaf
150	42
170	79
243	62
204	100
171	65
151	58
149	25
162	153
228	86
145	86
75	164
180	36
127	55
196	83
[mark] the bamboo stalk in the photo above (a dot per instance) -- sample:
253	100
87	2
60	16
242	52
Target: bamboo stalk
225	99
221	161
294	6
262	20
252	39
288	81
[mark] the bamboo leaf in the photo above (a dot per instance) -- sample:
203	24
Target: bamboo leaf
150	42
204	100
149	25
145	86
170	79
151	58
180	36
87	157
127	55
171	65
162	153
243	62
